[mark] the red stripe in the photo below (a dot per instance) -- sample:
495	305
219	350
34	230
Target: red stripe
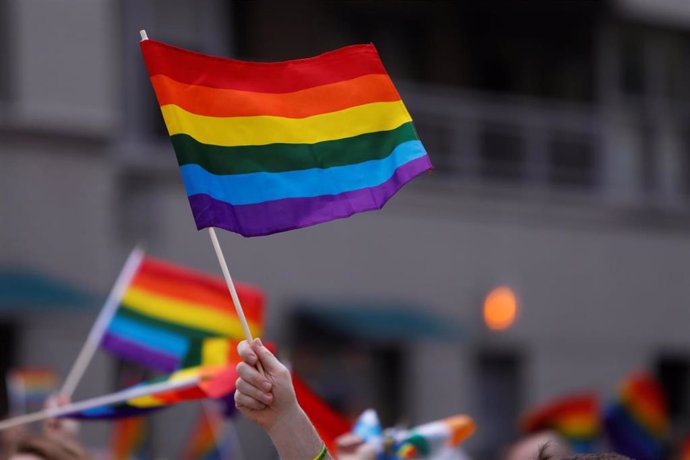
169	280
581	405
268	77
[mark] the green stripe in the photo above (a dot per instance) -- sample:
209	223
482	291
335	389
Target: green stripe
194	354
289	157
186	331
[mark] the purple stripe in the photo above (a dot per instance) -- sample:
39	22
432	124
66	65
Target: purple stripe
147	357
111	412
291	213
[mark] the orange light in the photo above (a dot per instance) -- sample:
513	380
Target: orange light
500	308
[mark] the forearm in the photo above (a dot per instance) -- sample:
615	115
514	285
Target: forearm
295	437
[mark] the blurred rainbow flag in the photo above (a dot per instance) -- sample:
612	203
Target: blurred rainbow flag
195	383
685	448
207	440
167	312
637	422
575	417
28	389
271	147
434	439
127	438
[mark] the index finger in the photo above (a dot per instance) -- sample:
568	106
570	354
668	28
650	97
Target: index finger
247	353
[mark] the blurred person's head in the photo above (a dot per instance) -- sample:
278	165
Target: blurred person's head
47	448
604	456
539	446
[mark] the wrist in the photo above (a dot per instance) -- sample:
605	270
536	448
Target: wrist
286	422
294	436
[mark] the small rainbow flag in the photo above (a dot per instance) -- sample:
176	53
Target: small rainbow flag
430	439
168	311
207	441
270	147
207	382
28	389
637	422
574	417
127	438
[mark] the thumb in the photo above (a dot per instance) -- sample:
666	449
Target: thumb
268	359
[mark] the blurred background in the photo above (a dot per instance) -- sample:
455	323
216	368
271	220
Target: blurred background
546	253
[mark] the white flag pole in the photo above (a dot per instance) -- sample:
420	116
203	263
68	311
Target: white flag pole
114	398
223	264
104	317
231	285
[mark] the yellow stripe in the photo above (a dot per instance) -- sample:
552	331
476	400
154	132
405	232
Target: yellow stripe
262	130
184	313
152	400
145	401
215	351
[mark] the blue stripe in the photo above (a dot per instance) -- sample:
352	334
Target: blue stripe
151	337
253	188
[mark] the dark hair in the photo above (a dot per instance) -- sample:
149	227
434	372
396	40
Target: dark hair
51	448
604	456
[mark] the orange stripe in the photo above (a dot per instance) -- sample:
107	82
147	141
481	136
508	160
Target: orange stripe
217	102
217	299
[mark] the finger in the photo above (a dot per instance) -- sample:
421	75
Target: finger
348	440
253	392
244	401
253	377
268	359
245	351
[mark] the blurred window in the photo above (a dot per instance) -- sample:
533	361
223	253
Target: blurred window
499	398
632	64
5	64
678	69
350	373
539	48
436	134
673	372
502	152
572	161
8	347
685	162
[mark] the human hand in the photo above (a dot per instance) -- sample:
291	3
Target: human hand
267	399
352	447
57	427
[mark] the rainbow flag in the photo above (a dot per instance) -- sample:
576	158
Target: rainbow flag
637	422
28	389
168	311
207	441
432	439
207	382
575	417
127	438
270	147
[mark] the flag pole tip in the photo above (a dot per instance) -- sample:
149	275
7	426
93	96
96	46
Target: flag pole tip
143	35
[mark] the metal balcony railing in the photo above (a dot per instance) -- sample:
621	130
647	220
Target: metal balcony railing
484	140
